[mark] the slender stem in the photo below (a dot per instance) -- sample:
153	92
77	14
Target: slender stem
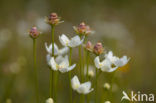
81	71
80	57
51	83
35	71
70	57
87	61
112	81
51	72
96	85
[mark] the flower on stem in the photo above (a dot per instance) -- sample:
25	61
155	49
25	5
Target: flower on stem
83	29
105	65
119	62
49	100
63	66
57	51
34	33
83	88
73	42
53	19
98	49
89	46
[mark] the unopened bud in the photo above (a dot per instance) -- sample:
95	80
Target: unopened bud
34	33
49	100
53	19
89	46
107	86
82	29
107	102
98	49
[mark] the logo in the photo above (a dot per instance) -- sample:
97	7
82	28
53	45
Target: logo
140	97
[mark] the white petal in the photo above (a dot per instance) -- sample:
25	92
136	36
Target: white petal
59	59
64	40
107	66
76	41
122	61
65	62
97	62
63	70
75	82
53	64
48	57
63	50
49	49
85	88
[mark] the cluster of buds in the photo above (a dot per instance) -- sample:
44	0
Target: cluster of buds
83	29
97	48
34	33
53	19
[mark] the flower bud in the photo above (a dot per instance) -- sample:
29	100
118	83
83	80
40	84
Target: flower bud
49	100
53	19
91	73
107	102
89	46
83	29
34	33
98	49
107	86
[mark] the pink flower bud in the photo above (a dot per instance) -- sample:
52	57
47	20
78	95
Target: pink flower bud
98	49
34	32
89	46
53	19
83	29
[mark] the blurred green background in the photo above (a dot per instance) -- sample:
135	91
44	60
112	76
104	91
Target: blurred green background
127	27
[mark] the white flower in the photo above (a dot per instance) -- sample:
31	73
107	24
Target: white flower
119	62
63	66
83	88
49	100
57	51
73	42
105	65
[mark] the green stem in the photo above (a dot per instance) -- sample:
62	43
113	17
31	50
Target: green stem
96	85
35	71
51	72
80	57
87	60
70	57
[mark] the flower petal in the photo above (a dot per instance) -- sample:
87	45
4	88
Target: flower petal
75	82
63	50
122	61
63	70
53	64
85	88
76	41
64	40
49	49
97	62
